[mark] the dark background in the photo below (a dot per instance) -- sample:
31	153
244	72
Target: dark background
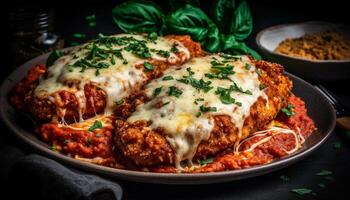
70	19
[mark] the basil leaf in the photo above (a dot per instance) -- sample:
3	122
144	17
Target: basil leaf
192	21
223	13
138	16
230	45
53	57
176	4
242	24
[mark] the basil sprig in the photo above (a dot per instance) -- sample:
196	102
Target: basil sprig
225	32
138	16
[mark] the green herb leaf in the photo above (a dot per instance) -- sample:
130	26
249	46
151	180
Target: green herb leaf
167	78
190	20
284	178
153	37
222	13
207	109
262	86
89	140
205	161
302	191
230	45
97	125
324	173
157	91
53	148
337	145
53	57
79	35
120	102
289	110
90	18
72	44
148	66
174	91
242	24
138	16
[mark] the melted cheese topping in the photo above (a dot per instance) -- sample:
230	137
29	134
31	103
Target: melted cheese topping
184	124
116	80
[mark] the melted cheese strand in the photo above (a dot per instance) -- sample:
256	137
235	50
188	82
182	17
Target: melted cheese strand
299	139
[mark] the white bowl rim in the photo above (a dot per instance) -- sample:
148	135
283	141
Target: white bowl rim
260	33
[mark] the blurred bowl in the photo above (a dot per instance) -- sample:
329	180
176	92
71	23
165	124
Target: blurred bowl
312	70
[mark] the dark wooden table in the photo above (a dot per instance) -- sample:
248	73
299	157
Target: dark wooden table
332	156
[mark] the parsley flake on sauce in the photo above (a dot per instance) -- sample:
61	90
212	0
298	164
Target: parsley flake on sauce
205	161
148	66
288	110
97	125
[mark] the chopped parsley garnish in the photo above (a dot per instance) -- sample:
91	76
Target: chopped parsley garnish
153	37
229	57
284	178
205	161
337	145
148	66
258	71
162	53
288	110
157	91
79	35
198	114
262	86
72	44
198	84
91	19
97	125
174	91
198	99
167	78
225	95
324	173
53	148
138	48
119	102
174	48
247	66
203	108
166	103
302	191
89	140
221	70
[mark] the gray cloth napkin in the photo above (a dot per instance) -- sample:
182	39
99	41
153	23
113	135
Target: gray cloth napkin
36	177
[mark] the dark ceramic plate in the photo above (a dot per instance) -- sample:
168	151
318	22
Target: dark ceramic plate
319	109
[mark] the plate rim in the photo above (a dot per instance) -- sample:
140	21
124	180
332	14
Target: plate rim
152	177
